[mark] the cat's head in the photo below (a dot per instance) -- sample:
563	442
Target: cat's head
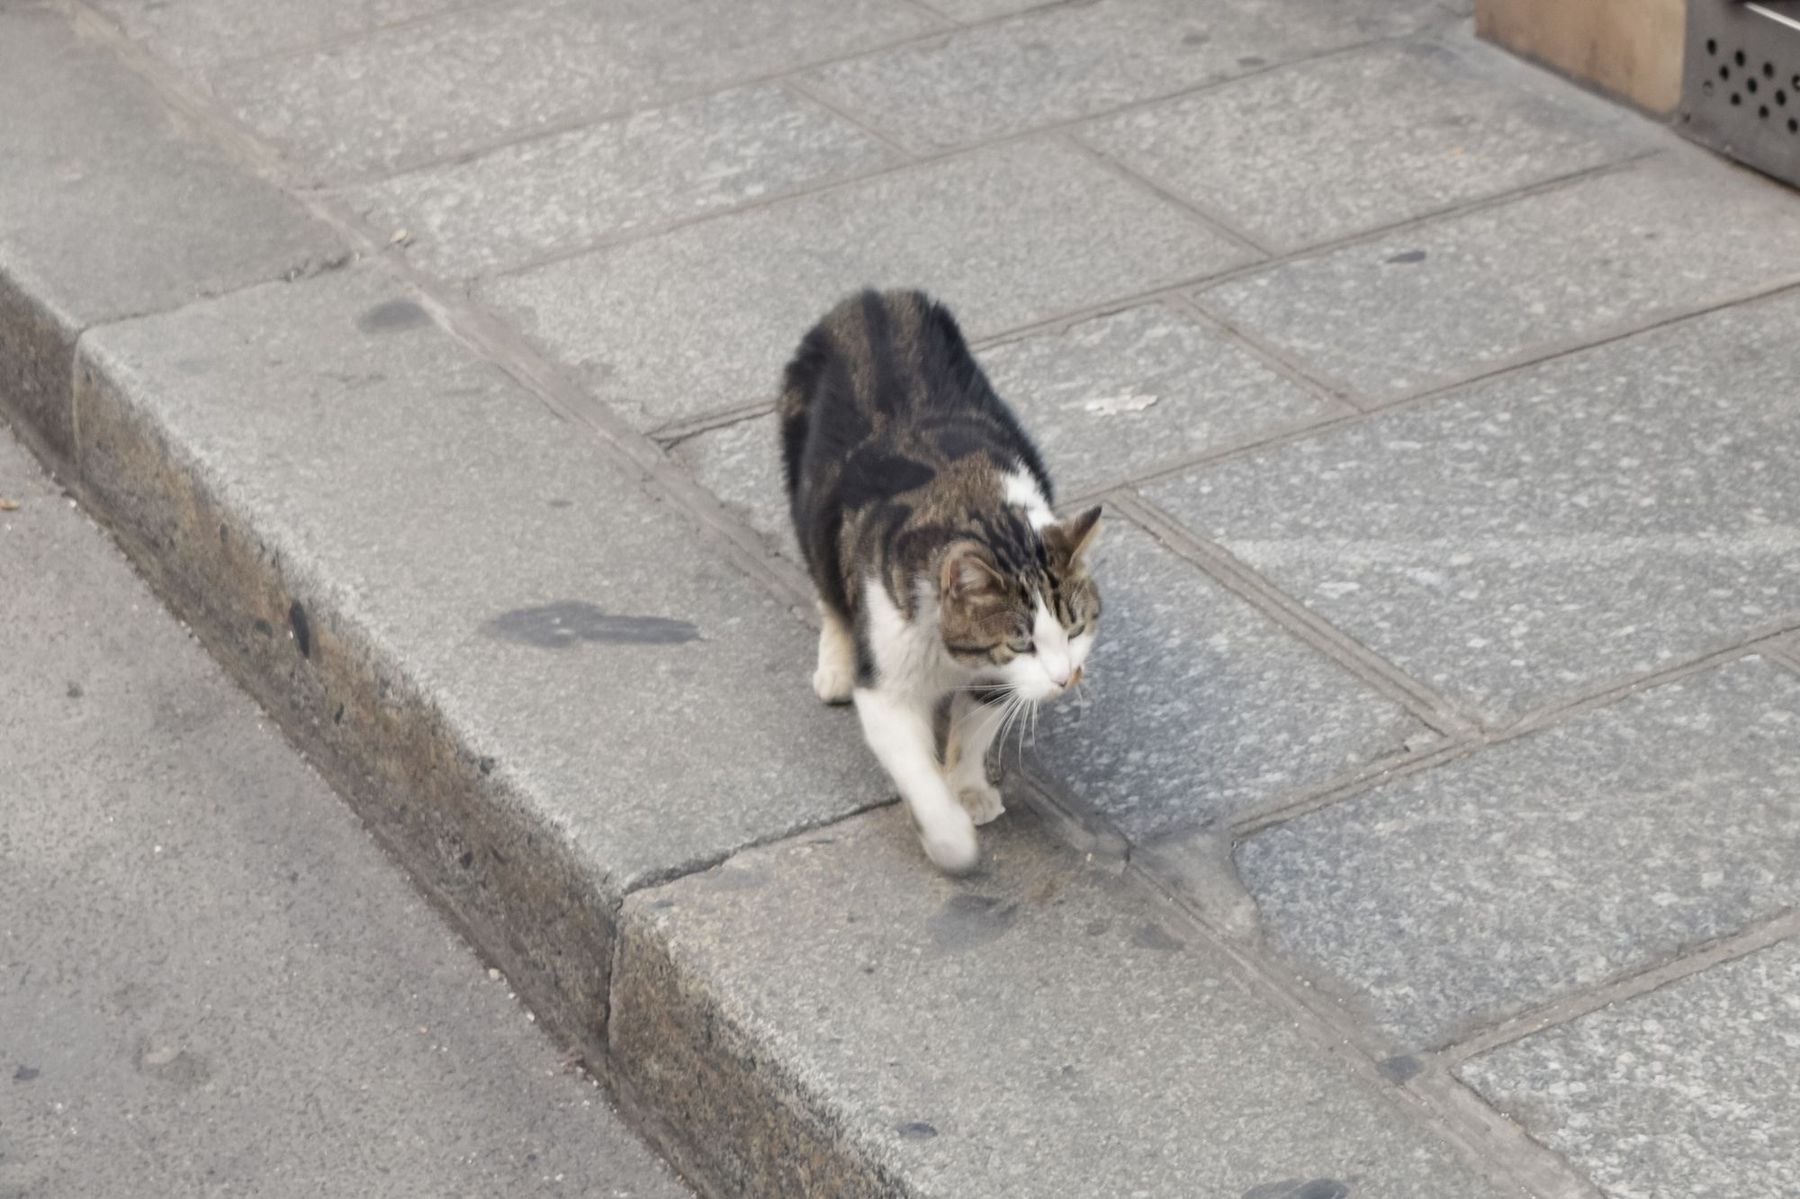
1022	610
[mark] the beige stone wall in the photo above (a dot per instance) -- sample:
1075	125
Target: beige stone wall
1631	48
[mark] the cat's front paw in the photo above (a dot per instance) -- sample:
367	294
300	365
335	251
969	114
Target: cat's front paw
982	802
950	842
832	682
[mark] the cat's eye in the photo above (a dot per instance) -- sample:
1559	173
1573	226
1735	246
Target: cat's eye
1021	645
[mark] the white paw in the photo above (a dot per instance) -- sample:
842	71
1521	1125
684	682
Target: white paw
950	843
832	682
982	802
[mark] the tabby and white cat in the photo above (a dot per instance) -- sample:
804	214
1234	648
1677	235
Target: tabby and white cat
951	597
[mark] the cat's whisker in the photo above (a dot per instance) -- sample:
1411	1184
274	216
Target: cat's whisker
1015	709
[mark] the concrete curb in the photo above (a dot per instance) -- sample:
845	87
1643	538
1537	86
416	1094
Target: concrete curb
467	838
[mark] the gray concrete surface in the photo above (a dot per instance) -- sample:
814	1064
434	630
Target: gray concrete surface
1017	233
1585	851
211	980
490	73
1045	1029
1198	707
1530	276
1551	532
1448	122
1684	1091
1072	60
98	213
552	195
413	504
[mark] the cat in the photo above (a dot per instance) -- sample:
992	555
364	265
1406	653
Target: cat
951	599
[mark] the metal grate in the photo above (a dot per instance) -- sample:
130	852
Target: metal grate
1740	88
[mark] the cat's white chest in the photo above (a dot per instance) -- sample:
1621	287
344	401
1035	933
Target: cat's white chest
909	655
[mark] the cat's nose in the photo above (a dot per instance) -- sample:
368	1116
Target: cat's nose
1060	674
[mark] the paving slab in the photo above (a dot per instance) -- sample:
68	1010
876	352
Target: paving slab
1041	1029
1195	707
1007	236
1075	60
1691	1090
557	194
216	984
741	464
1321	150
1126	394
1548	532
197	35
1454	298
1470	892
441	586
110	207
464	80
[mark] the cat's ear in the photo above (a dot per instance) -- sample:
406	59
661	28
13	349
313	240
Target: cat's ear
1068	539
968	574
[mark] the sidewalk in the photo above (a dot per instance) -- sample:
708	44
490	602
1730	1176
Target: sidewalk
1431	821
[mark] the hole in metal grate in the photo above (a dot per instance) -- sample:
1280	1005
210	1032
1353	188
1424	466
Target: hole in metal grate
1750	86
1736	99
1780	98
1768	70
1793	125
1738	58
1763	112
1712	45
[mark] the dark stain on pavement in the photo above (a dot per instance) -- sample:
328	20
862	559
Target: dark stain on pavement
971	921
394	316
1152	936
1300	1188
1400	1067
566	623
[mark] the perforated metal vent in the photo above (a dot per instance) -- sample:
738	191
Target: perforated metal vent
1740	90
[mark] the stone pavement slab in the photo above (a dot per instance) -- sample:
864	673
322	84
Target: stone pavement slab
1320	150
1074	60
444	590
1126	394
1691	1090
1196	707
98	218
1457	297
1042	1029
202	34
1478	889
214	982
1007	236
741	464
558	194
467	79
1548	532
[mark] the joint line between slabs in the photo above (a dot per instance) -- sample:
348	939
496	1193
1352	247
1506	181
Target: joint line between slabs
1433	710
1625	985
